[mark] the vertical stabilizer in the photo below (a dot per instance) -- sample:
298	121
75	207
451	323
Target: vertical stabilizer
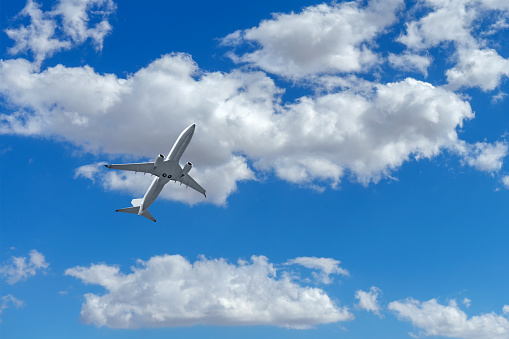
136	202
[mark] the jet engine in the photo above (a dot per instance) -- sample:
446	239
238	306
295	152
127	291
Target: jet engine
159	160
187	168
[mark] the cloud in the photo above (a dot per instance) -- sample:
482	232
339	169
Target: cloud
487	157
46	35
410	62
326	38
505	309
19	269
467	302
499	97
8	300
221	181
482	68
369	300
505	181
457	22
435	319
327	266
240	120
89	171
169	290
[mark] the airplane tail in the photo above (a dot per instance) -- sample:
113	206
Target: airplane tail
135	210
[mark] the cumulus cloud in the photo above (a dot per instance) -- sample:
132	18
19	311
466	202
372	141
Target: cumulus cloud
435	319
326	266
410	62
169	291
326	38
487	157
482	68
18	268
221	181
239	117
456	22
369	300
65	26
363	130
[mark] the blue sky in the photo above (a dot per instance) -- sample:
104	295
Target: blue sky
354	156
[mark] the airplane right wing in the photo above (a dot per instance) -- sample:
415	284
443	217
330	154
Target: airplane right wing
189	181
144	167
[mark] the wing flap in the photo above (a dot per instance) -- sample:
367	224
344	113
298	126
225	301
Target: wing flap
144	167
189	181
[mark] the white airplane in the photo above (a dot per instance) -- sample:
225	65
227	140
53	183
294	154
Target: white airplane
164	170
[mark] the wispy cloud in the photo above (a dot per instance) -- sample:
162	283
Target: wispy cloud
326	266
7	301
19	268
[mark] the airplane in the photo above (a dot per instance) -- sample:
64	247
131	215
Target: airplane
164	171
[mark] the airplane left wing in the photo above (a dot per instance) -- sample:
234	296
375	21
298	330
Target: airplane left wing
189	181
144	167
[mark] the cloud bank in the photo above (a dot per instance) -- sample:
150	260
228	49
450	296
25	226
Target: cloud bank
170	291
349	128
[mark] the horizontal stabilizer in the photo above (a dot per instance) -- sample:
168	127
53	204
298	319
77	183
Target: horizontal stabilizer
149	216
135	210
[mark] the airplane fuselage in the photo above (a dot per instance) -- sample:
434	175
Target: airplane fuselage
164	170
168	170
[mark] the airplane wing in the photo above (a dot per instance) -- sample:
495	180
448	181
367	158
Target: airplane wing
188	181
144	167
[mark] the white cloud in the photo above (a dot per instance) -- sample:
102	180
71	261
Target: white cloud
8	300
220	181
239	117
435	319
499	97
326	38
467	302
19	269
327	266
410	62
45	36
369	300
456	22
487	157
482	68
505	181
447	21
505	309
168	291
89	171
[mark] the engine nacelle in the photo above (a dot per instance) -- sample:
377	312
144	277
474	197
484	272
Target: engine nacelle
187	168
159	160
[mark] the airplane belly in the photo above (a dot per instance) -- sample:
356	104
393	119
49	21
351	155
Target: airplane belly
153	192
